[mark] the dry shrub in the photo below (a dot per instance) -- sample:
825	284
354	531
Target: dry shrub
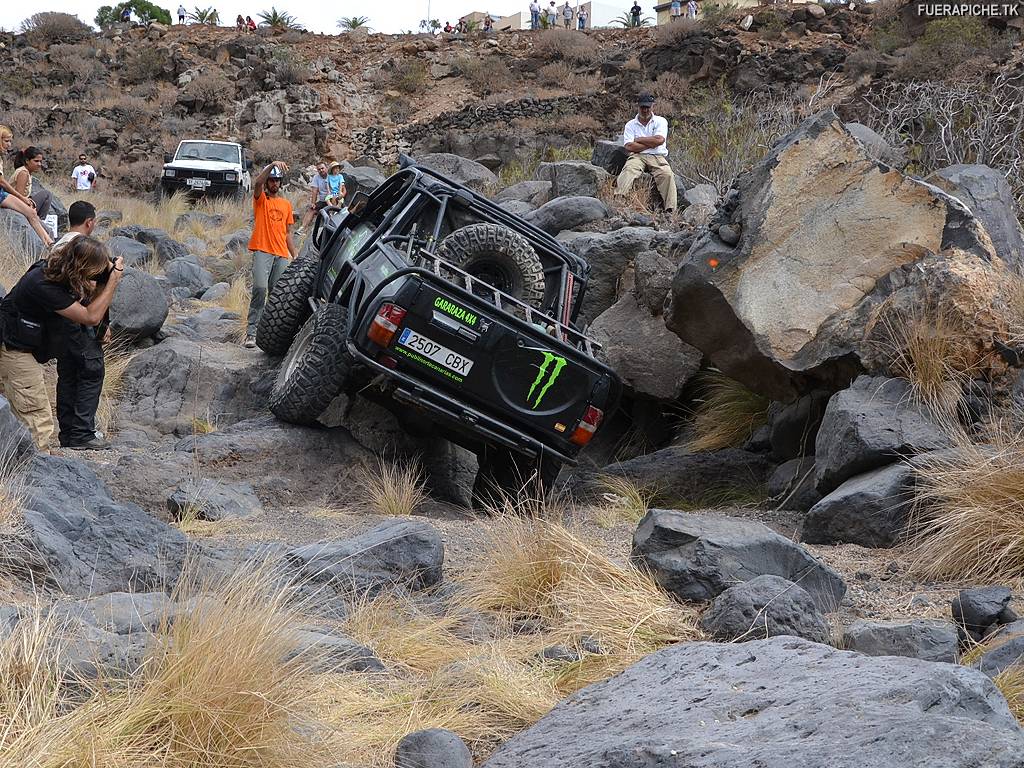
223	686
564	76
405	76
237	300
947	47
31	694
146	63
727	414
568	45
269	149
392	488
677	31
968	521
625	501
13	260
212	92
582	126
487	74
864	61
76	64
163	215
42	29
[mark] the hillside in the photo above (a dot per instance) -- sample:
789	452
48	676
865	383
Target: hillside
126	97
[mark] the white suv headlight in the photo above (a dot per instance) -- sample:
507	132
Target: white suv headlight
230	177
168	172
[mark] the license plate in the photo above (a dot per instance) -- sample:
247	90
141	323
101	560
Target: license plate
199	183
431	350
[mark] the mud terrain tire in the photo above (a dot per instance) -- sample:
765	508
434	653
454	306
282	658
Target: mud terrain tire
287	307
500	257
315	368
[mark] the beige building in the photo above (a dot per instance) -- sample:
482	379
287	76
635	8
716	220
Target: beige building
664	10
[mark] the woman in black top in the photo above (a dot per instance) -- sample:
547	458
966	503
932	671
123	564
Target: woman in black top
33	316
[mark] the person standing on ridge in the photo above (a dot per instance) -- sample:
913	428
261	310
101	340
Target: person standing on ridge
646	137
634	13
567	15
181	13
272	244
534	14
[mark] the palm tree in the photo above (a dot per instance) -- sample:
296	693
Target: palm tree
205	16
626	20
349	23
278	19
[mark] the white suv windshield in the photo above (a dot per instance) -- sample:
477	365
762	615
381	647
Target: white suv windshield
201	150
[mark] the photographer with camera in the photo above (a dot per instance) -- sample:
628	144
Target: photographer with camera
34	319
80	366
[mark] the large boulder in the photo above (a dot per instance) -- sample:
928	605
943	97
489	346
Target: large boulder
699	556
76	538
871	510
979	610
609	155
207	499
877	147
573	179
649	358
925	639
15	229
170	386
466	172
792	486
186	273
873	423
775	703
1003	650
397	552
535	193
358	178
564	213
132	251
140	305
677	476
985	191
828	235
765	606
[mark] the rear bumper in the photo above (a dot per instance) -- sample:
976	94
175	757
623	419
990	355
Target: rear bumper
458	415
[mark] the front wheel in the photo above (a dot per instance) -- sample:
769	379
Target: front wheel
287	307
315	368
506	478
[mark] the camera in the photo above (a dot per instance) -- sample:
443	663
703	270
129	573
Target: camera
102	279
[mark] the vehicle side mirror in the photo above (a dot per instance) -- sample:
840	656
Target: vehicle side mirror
168	157
248	164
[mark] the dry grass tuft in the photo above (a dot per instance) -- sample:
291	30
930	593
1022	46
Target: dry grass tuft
933	350
117	356
392	488
727	415
237	300
13	261
31	695
222	687
1010	683
403	635
969	509
626	501
12	487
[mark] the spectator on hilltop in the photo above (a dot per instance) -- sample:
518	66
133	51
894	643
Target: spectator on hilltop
240	23
534	14
691	9
12	199
552	15
181	14
567	15
581	18
83	175
645	138
634	13
677	9
488	23
250	24
448	27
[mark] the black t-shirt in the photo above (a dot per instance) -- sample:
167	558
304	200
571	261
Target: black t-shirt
37	299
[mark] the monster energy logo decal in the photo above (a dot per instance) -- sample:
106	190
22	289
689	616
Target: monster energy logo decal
551	372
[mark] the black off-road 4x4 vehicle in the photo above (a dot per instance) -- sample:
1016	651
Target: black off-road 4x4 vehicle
455	314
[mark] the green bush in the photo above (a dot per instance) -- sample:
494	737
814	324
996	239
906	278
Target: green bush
715	13
108	15
946	45
408	76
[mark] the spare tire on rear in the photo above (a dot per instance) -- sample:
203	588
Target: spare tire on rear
498	256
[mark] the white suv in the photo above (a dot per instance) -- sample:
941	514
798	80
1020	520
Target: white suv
201	167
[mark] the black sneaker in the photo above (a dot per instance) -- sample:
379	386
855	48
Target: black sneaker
96	444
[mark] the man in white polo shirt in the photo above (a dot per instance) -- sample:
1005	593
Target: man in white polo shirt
645	138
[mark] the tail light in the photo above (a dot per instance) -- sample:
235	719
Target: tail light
588	426
385	324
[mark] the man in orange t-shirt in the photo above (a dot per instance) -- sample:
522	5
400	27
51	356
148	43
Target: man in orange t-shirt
271	243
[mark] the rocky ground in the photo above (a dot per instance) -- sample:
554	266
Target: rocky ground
797	542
